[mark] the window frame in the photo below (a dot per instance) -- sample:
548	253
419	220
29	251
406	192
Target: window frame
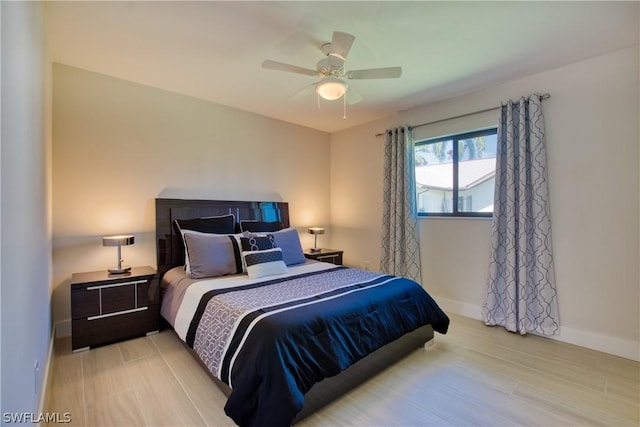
455	139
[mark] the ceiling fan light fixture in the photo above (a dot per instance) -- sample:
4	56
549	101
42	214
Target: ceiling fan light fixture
331	88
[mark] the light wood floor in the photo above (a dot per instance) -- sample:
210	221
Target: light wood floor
473	376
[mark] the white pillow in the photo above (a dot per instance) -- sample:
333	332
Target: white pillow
263	263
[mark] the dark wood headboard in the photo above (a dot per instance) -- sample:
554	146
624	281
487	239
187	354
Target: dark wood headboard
169	249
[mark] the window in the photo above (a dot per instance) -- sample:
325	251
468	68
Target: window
455	175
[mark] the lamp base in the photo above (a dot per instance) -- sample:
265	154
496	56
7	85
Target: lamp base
315	250
122	270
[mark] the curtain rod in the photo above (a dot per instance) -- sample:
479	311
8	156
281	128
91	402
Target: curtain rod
473	113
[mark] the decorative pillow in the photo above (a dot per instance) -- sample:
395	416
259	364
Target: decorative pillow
263	263
260	226
212	255
224	224
289	241
257	242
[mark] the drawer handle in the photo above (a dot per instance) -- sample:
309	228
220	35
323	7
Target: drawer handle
115	285
99	288
116	313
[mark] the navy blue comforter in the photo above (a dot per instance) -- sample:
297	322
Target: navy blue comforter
280	351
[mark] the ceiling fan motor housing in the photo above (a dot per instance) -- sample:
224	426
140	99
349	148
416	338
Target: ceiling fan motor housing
330	66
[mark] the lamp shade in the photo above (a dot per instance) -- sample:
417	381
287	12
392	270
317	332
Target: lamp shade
122	240
316	230
331	88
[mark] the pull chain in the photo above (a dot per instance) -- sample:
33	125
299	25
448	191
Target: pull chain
344	106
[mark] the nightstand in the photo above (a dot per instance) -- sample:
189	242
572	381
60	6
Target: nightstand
106	308
326	255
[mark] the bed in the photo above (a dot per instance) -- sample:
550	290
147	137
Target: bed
281	335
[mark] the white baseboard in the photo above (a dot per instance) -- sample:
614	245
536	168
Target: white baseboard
45	387
63	328
628	349
461	308
608	344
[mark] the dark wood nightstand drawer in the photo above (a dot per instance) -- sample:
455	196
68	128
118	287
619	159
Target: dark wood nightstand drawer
107	308
89	332
94	299
325	255
119	298
84	303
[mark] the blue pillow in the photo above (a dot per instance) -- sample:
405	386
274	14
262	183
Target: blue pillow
289	241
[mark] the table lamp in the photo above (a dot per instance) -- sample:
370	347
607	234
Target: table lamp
119	241
315	231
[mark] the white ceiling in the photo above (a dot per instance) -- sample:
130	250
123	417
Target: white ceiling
214	50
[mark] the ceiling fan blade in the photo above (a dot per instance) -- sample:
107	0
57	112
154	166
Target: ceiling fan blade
341	44
281	66
305	91
353	97
375	73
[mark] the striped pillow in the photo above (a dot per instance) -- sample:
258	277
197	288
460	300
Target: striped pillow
212	255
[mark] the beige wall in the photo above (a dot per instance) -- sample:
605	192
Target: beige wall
592	142
118	145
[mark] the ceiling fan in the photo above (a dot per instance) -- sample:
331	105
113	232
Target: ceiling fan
332	85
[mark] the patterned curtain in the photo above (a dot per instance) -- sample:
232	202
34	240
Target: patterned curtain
400	237
521	290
